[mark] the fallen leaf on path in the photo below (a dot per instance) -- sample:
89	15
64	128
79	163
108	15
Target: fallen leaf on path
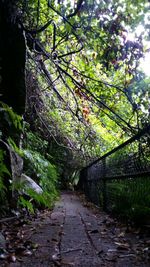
122	234
127	255
56	257
112	250
122	245
95	231
54	240
67	263
11	258
103	233
27	253
3	254
145	249
71	250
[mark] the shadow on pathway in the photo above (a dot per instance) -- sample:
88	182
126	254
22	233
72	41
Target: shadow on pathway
74	234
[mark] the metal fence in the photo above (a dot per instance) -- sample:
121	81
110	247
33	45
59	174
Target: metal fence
119	181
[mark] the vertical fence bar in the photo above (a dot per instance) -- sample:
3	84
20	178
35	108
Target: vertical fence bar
104	185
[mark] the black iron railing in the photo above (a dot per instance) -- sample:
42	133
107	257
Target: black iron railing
121	176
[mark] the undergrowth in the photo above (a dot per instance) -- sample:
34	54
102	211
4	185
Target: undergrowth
130	199
3	170
41	170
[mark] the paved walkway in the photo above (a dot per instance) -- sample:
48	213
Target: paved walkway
76	235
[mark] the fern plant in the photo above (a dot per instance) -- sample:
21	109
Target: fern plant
11	118
3	171
45	174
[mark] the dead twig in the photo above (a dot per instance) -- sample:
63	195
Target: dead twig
8	219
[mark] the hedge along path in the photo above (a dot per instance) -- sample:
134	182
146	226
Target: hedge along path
77	234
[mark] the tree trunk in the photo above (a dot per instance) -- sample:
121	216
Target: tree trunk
12	57
12	74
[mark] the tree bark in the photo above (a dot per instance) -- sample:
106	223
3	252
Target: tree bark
12	57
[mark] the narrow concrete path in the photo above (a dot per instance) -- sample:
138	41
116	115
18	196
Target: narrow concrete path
77	248
76	235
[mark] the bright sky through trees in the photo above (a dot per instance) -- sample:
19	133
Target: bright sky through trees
145	64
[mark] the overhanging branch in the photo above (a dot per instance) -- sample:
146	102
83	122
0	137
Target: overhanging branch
96	80
41	29
67	21
95	98
79	4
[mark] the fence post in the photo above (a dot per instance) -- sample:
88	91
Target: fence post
104	185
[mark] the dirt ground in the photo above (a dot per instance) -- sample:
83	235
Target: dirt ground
75	234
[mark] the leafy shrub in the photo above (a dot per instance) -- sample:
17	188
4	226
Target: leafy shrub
3	171
45	174
39	169
34	142
11	122
11	118
26	204
130	199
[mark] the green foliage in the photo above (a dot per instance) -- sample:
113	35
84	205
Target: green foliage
33	200
45	174
15	147
130	199
11	123
12	119
3	171
90	91
34	142
45	199
75	178
25	204
92	95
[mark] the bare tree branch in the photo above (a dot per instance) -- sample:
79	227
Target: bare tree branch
95	97
68	87
67	21
49	79
95	80
71	52
79	4
41	29
38	13
50	132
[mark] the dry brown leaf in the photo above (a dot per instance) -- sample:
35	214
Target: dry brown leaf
122	245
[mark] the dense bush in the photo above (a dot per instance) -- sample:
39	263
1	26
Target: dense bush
130	199
43	171
45	175
3	172
40	169
37	167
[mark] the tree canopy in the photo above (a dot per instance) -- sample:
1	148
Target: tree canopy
93	91
74	66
